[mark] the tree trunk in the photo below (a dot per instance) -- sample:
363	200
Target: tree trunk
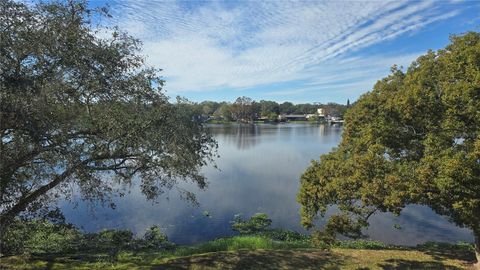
477	249
7	217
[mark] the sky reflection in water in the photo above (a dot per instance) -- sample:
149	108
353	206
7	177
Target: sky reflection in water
259	171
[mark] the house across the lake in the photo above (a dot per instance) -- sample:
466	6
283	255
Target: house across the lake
320	112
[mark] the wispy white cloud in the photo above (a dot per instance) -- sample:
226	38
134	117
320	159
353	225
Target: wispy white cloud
205	46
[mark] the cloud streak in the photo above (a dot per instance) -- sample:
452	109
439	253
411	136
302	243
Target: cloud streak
205	46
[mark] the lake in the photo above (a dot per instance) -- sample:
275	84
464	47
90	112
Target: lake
258	171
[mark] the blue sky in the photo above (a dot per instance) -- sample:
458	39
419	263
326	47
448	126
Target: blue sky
310	51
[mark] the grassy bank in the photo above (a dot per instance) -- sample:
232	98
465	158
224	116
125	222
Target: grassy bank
254	252
316	259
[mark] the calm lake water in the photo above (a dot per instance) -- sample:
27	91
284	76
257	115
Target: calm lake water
258	171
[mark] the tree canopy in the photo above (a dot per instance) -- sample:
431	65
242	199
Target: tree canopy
85	111
414	139
245	109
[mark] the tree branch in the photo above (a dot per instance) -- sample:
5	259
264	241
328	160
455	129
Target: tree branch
25	200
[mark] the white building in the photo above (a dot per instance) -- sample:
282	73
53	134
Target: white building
320	112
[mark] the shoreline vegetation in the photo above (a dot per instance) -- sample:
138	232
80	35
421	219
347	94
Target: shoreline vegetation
260	252
247	110
43	244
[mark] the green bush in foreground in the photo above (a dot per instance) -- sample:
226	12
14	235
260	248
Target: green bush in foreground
156	239
285	235
227	244
257	223
40	236
46	239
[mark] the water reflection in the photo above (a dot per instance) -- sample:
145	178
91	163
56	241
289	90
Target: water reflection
262	177
243	135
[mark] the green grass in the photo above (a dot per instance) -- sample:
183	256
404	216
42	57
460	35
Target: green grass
363	244
141	260
316	259
256	252
239	242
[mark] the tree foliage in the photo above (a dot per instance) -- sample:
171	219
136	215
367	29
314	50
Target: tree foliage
268	107
37	236
75	106
414	139
244	109
257	223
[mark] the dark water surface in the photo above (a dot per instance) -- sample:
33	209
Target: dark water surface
258	171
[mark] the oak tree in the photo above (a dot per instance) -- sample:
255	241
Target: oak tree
81	109
414	139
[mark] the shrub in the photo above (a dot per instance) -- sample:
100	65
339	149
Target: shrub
39	236
52	238
322	239
43	236
285	235
155	238
361	244
257	223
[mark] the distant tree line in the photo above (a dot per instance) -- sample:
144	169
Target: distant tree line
245	109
